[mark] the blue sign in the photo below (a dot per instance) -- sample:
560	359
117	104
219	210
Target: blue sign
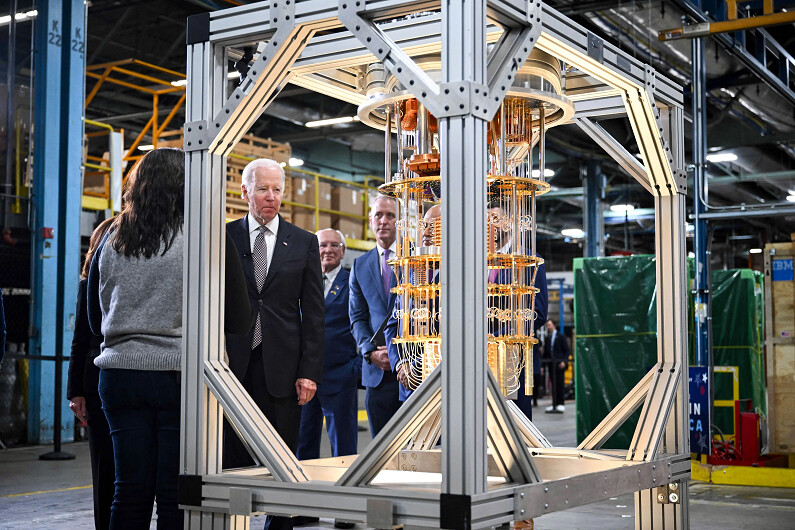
782	270
699	410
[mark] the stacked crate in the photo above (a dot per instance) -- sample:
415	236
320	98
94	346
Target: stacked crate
300	202
348	199
780	344
247	149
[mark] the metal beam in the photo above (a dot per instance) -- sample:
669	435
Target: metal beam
749	212
704	29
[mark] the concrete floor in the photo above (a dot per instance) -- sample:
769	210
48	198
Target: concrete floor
44	495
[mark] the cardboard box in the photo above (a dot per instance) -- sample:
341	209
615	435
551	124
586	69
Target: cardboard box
348	200
350	228
303	192
305	218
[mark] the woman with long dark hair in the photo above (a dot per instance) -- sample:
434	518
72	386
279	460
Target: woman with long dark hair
82	391
136	278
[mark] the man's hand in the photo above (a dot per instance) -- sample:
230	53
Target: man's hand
305	388
380	358
403	376
78	406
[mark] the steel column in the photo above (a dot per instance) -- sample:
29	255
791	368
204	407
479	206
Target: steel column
594	221
703	269
57	190
203	296
463	264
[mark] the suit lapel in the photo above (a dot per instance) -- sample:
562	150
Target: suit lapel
280	252
337	288
239	234
375	271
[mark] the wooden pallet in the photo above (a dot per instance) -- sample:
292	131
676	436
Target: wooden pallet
780	345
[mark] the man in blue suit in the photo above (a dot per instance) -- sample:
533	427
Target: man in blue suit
342	365
370	305
408	373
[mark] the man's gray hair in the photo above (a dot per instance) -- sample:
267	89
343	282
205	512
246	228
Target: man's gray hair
248	171
380	197
342	237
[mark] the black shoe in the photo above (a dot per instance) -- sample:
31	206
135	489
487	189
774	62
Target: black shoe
343	524
301	520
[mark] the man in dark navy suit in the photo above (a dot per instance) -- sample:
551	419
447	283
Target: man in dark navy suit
558	350
336	397
503	246
370	305
280	360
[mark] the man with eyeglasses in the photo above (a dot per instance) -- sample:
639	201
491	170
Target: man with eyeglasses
336	398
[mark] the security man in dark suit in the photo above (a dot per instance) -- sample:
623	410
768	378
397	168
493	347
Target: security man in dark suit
280	361
336	397
371	303
557	348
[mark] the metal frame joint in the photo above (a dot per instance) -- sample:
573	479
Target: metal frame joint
198	29
455	511
196	138
189	490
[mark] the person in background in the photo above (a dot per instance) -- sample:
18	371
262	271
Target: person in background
141	354
558	350
408	373
280	361
336	398
371	303
82	391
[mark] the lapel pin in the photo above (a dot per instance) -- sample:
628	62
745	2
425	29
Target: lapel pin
284	243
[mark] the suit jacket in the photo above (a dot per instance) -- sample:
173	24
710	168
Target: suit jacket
83	375
342	363
368	308
290	306
560	347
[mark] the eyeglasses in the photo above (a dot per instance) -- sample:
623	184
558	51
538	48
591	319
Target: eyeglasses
332	245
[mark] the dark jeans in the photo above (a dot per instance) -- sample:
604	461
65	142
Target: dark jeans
143	410
102	467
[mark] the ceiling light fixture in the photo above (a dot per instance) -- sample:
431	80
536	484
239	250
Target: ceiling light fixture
755	251
791	198
295	162
179	82
548	173
721	157
574	233
146	147
233	75
622	208
20	17
331	121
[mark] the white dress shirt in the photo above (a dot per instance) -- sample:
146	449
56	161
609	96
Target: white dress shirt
381	254
330	277
270	236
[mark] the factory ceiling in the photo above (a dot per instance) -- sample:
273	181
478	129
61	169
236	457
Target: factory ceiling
745	115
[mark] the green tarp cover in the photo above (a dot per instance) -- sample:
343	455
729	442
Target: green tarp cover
615	324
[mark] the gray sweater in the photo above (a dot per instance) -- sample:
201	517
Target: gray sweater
141	301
